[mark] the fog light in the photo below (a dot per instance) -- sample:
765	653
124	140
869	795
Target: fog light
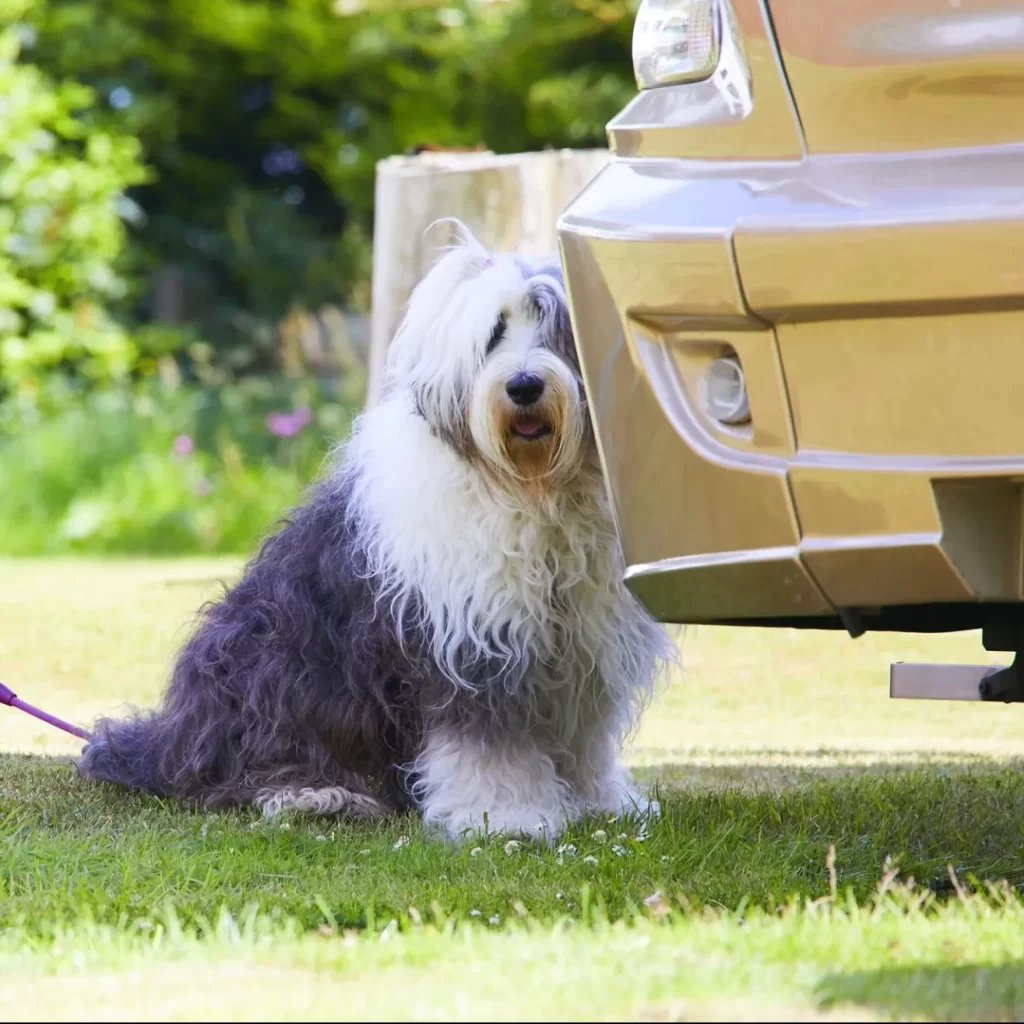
723	392
675	41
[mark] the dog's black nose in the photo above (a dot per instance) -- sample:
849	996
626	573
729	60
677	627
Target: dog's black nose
525	388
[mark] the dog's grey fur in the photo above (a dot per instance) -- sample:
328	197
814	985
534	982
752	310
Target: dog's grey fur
309	678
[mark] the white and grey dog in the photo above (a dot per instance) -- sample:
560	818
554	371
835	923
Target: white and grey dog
443	625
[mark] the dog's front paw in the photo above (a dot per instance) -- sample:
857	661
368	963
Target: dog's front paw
543	823
637	805
537	823
617	797
628	803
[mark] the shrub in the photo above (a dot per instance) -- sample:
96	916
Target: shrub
61	230
264	120
160	470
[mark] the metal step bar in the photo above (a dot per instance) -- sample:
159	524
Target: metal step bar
958	682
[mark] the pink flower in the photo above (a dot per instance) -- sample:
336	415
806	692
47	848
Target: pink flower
183	445
282	424
203	488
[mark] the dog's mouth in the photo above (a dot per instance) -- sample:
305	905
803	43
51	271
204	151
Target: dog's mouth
530	428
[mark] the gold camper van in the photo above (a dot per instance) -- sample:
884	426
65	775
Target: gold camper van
798	292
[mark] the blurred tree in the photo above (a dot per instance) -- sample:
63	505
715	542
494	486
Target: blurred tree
264	119
61	232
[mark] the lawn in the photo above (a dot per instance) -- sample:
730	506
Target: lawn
770	749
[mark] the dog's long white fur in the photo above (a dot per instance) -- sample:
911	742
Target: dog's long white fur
512	575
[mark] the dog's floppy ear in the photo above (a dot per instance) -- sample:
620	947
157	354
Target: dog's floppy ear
427	356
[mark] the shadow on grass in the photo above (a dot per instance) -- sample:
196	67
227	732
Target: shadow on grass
939	992
715	843
776	770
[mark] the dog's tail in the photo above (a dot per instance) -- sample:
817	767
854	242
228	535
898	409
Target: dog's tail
127	752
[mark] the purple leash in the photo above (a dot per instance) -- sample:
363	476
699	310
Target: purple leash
10	698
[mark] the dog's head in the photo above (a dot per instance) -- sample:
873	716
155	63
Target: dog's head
486	351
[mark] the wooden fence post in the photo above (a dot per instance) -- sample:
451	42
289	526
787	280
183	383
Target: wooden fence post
510	203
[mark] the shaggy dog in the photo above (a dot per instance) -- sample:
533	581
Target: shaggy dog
443	625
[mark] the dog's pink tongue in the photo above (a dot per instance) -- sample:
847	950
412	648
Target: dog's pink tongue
528	426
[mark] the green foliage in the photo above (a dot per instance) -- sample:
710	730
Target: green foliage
264	120
61	233
259	123
159	470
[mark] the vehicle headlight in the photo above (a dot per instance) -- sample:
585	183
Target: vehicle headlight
676	41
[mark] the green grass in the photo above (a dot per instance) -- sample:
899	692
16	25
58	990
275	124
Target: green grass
771	748
847	963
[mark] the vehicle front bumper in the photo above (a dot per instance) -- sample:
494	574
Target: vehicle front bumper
877	307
